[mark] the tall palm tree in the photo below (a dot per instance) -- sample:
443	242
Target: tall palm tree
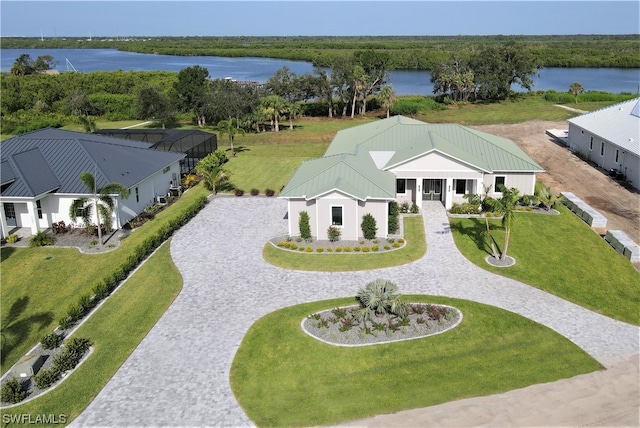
230	127
576	89
102	201
507	206
387	98
275	106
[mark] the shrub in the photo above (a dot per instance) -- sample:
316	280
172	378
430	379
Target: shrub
309	249
74	312
333	233
45	378
375	247
329	249
387	247
239	192
293	245
64	322
303	224
319	249
347	249
466	208
365	249
51	340
301	248
414	209
368	226
12	238
85	303
254	192
41	239
338	249
356	248
190	180
12	391
401	240
72	354
404	208
396	245
269	192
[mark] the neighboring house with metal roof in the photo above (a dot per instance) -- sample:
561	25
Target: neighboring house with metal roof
610	137
195	143
401	159
40	175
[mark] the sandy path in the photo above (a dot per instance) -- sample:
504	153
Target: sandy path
607	398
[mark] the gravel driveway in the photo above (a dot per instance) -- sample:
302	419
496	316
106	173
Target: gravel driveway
179	374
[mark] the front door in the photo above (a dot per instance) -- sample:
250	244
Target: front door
10	214
431	189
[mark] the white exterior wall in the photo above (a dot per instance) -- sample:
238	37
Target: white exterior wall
629	163
295	207
350	223
352	212
55	207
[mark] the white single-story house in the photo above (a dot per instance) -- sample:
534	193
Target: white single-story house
40	174
610	137
400	159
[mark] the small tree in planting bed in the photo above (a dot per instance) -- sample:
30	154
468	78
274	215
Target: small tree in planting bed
303	224
368	226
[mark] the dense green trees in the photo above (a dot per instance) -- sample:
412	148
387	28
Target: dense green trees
406	52
487	75
25	65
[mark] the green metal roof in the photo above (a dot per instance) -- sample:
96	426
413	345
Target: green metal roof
348	164
353	175
410	138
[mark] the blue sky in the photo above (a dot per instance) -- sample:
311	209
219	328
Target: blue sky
340	18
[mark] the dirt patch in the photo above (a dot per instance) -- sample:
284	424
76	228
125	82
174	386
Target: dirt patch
564	172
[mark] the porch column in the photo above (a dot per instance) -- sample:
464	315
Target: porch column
32	209
3	220
448	202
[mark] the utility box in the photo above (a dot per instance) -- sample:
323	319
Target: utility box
29	365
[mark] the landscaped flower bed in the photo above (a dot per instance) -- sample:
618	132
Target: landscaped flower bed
337	247
340	326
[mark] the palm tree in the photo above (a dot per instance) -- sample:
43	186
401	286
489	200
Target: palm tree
380	297
507	206
211	170
545	196
576	89
88	124
275	106
387	98
102	200
230	127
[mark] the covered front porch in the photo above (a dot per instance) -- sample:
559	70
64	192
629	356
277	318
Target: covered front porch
447	190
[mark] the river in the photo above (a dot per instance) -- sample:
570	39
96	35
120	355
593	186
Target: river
404	82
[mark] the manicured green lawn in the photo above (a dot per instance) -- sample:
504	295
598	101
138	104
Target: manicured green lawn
561	255
115	329
267	160
283	377
39	284
332	262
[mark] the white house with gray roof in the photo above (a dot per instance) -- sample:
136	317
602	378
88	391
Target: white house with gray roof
402	159
40	176
610	137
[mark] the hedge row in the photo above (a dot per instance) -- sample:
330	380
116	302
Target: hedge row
103	288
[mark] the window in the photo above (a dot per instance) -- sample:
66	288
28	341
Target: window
80	212
401	185
498	183
591	143
602	148
617	155
336	216
39	207
461	187
137	195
